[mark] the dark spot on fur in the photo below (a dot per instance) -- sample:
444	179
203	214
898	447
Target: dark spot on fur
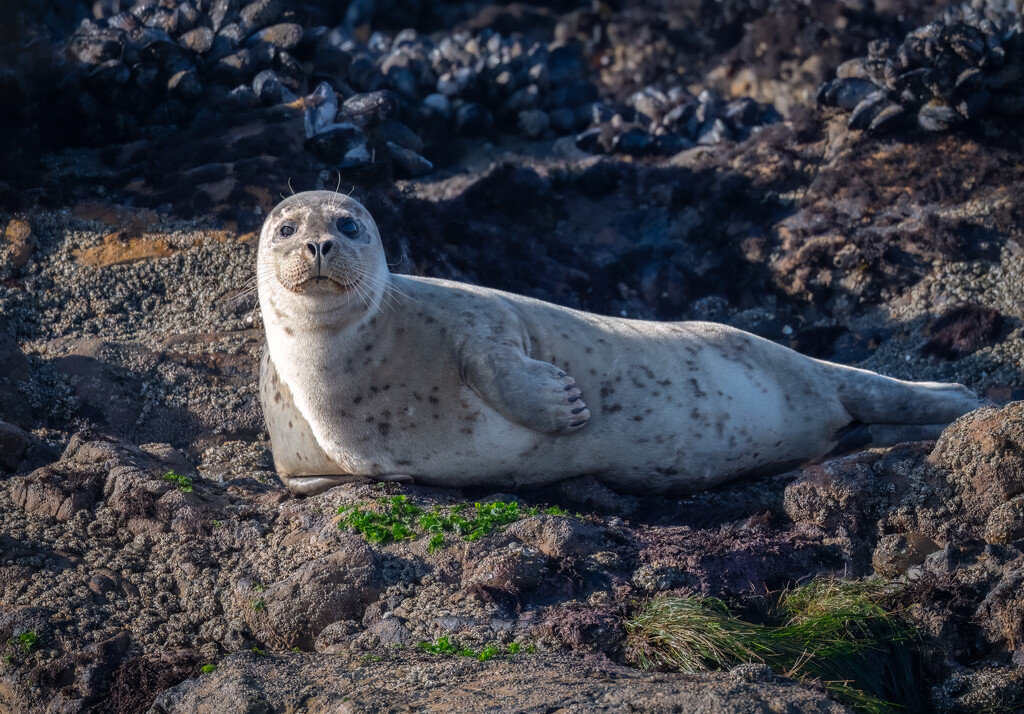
277	397
288	331
665	382
367	348
466	430
290	425
696	388
611	408
433	400
384	428
588	349
370	420
417	397
638	418
357	399
695	414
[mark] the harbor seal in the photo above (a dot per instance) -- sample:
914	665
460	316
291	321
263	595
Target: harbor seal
394	377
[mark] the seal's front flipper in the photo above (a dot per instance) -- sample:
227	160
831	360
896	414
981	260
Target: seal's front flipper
395	478
312	485
536	394
297	454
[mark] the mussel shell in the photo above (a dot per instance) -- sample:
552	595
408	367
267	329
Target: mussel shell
937	116
867	110
332	145
370	107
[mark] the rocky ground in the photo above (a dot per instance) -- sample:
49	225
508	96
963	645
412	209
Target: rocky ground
130	335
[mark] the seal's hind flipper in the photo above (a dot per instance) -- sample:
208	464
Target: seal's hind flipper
295	448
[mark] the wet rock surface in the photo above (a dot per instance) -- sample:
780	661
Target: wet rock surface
655	161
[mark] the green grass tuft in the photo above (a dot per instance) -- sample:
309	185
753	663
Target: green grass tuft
443	645
209	668
182	483
837	632
258	605
27	641
488	652
394	518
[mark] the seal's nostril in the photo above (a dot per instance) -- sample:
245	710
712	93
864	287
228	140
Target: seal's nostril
311	247
326	247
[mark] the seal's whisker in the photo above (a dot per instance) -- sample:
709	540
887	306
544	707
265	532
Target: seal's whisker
336	190
392	288
362	295
290	185
376	282
384	298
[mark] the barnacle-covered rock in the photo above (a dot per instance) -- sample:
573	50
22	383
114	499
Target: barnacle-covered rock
966	65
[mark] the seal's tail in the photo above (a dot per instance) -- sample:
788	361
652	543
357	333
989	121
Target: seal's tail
875	399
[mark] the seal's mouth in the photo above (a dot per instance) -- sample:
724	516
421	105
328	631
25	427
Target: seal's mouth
322	284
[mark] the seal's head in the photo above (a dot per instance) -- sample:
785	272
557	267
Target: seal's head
320	252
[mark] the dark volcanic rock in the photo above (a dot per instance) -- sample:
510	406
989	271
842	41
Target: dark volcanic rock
14	442
297	608
14	407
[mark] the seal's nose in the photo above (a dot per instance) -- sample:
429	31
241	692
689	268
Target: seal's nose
320	250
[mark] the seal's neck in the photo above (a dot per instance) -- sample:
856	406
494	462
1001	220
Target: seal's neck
310	329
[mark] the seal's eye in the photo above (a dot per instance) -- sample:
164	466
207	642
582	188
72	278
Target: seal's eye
287	230
348	227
